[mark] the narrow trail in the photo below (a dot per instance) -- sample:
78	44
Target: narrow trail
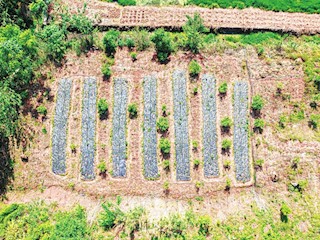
113	15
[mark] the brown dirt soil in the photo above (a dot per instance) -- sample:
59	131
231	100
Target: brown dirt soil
229	66
111	14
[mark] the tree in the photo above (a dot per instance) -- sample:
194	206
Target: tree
193	29
163	44
110	42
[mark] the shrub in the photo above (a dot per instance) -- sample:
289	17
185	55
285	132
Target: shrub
110	216
223	88
163	44
106	71
110	42
257	103
226	144
102	167
130	43
314	120
204	224
142	39
133	56
226	123
133	110
127	2
285	210
166	165
193	29
165	145
163	124
103	108
42	110
258	125
194	68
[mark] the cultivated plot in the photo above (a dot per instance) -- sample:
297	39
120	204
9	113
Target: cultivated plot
181	125
149	127
88	128
209	114
241	144
119	149
59	137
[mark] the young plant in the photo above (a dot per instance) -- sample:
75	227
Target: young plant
194	68
258	163
103	108
102	167
226	123
226	145
165	146
195	91
285	210
258	125
44	130
196	163
195	145
199	185
42	110
133	110
73	148
223	88
133	56
257	103
163	124
166	186
166	165
164	110
228	184
227	164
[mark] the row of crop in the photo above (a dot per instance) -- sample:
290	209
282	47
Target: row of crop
181	125
149	129
241	144
119	148
59	137
210	154
88	128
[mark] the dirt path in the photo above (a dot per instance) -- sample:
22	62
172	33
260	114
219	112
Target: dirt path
110	14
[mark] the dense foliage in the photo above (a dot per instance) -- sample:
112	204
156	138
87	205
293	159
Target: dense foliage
163	44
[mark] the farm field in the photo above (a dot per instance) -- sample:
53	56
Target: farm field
159	122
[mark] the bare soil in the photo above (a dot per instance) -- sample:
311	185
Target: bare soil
111	14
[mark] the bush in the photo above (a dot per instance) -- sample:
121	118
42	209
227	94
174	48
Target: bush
110	216
163	124
204	224
133	110
142	39
163	44
257	103
110	42
285	210
259	125
223	88
314	120
194	68
42	110
226	123
226	144
127	2
103	108
130	43
106	71
165	145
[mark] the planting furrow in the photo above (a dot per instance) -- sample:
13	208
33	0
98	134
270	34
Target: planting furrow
181	125
241	144
119	149
59	136
149	130
210	154
88	128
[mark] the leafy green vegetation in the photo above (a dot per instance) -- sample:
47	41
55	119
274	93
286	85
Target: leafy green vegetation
257	103
312	6
163	124
165	145
223	88
103	108
226	123
163	44
133	110
226	144
194	68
